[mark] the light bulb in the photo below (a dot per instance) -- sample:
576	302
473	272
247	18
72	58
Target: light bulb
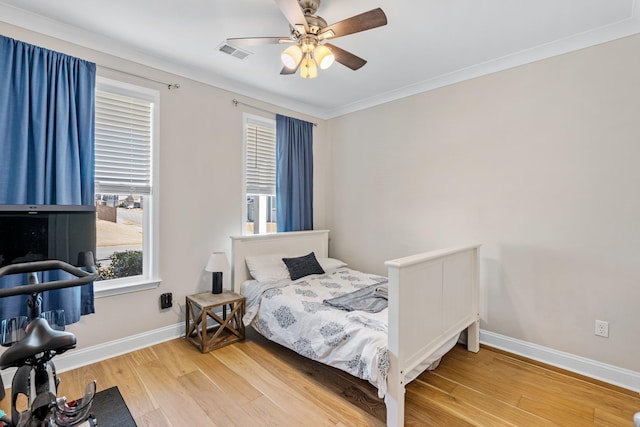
291	57
323	56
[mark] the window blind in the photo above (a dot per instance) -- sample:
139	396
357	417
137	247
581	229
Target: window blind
123	144
261	159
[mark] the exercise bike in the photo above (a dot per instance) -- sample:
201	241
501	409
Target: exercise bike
35	377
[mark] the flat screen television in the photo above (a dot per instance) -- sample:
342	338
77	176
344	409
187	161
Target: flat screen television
41	232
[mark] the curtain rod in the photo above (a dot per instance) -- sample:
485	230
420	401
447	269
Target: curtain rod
168	85
236	102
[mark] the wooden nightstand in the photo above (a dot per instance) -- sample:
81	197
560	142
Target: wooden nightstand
224	330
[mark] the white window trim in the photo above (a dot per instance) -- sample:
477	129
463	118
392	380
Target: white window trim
246	118
150	247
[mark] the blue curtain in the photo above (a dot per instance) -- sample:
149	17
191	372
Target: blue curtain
47	145
294	174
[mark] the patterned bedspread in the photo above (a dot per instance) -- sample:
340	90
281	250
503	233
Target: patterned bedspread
292	314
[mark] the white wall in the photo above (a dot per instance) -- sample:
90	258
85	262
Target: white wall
540	164
200	190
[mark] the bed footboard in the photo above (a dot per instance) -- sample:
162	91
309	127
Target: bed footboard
432	298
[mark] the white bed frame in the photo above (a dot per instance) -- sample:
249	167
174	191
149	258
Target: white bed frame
433	297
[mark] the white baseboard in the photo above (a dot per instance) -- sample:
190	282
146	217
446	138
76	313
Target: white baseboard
610	374
590	368
86	356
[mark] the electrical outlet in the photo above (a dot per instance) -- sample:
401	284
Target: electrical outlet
602	328
166	300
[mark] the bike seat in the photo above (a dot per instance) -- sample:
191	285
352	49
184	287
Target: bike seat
39	338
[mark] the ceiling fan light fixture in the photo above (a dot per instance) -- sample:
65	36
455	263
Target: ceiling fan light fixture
291	57
308	69
323	56
307	31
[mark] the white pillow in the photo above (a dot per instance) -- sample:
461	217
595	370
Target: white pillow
329	264
267	268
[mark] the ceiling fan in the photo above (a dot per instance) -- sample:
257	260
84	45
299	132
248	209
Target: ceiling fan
309	33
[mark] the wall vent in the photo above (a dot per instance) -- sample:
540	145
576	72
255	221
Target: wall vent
233	51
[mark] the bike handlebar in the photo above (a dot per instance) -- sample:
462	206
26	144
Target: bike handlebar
82	277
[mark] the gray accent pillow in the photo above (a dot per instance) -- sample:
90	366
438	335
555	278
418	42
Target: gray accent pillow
303	266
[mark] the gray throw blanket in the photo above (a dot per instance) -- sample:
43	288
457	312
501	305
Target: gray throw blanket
371	299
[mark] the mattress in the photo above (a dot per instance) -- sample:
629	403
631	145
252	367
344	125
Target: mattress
292	314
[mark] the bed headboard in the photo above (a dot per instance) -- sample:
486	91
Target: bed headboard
294	243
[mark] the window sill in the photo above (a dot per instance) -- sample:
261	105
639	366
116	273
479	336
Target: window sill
110	288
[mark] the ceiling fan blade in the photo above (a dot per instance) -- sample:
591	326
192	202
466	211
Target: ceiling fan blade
292	11
243	42
288	71
365	21
347	59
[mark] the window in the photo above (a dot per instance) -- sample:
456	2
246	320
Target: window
126	123
260	175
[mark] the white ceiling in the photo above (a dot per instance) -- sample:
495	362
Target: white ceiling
426	43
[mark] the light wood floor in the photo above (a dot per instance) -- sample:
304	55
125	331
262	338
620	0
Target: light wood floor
258	383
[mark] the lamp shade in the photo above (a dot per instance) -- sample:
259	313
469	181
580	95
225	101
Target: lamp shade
217	263
291	57
323	57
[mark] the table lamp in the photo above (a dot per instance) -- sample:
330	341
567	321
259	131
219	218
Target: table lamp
217	264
